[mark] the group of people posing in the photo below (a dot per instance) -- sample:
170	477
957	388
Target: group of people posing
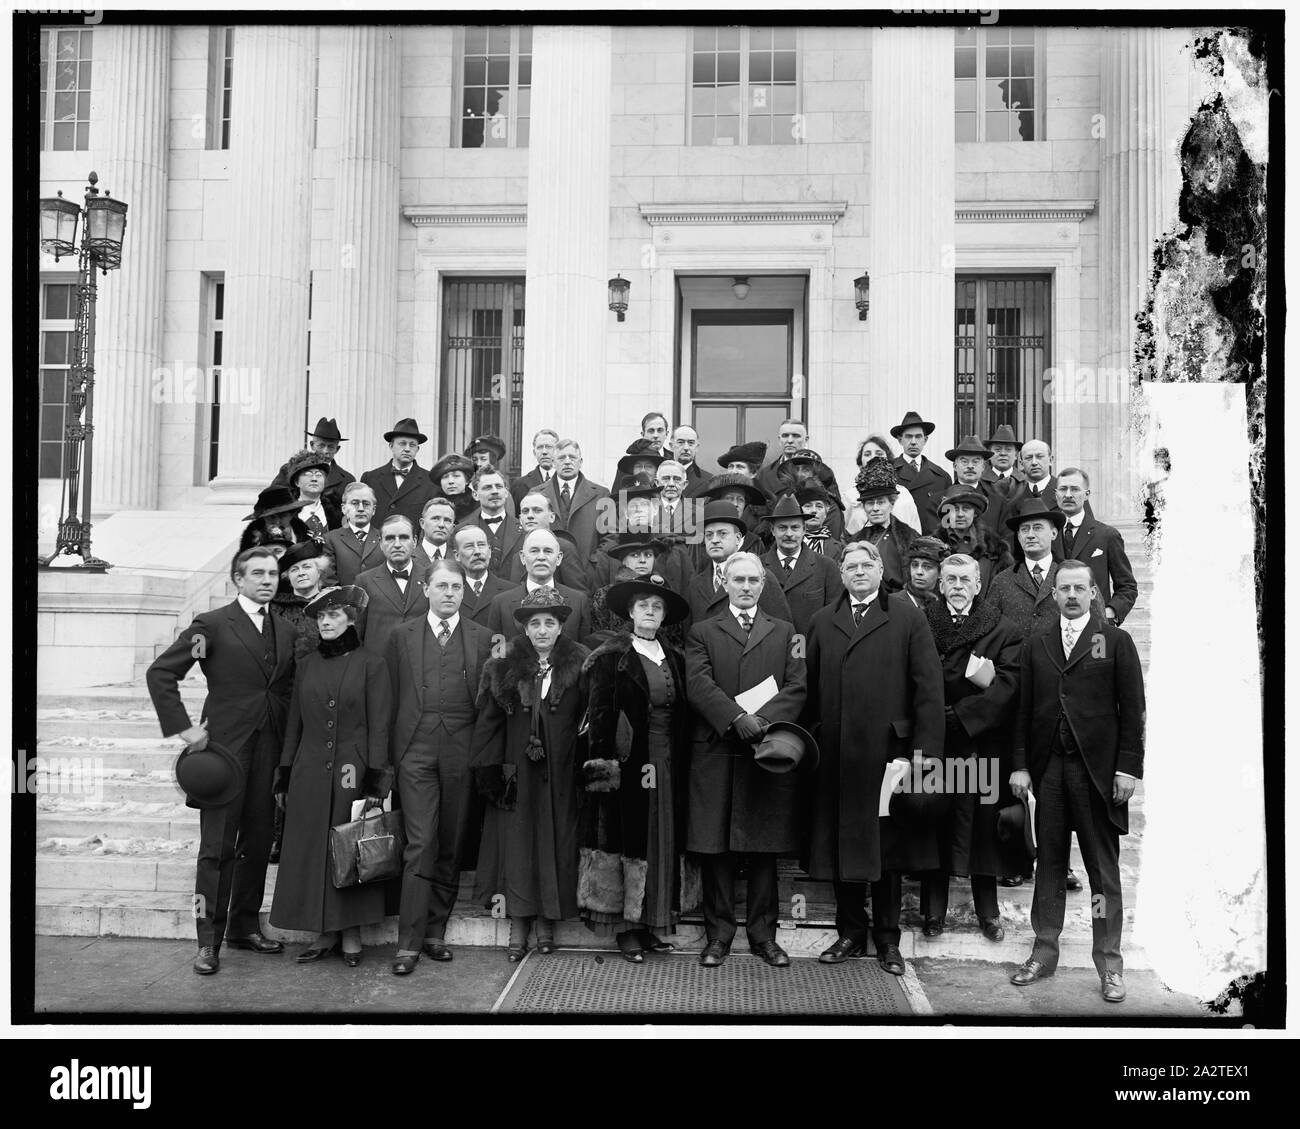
609	703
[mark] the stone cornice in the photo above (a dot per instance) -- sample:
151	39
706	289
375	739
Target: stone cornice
462	215
1020	211
777	212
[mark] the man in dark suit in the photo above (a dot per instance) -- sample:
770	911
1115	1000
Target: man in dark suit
246	656
437	520
1079	743
472	550
578	503
324	440
1023	594
395	595
926	481
776	478
536	512
1038	481
735	807
489	488
969	458
877	697
707	591
809	580
544	444
686	447
541	555
1004	450
355	546
435	663
1098	545
401	486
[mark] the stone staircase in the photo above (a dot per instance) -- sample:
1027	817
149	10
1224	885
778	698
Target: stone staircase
116	843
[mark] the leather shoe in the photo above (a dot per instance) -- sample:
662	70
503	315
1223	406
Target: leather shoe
1031	971
404	965
352	959
652	944
547	947
436	950
1072	881
207	962
842	950
891	960
255	943
314	953
715	952
515	953
1012	880
932	927
771	952
1112	988
992	929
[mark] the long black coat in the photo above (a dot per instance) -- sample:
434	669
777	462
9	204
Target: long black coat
733	804
389	606
892	544
706	603
813	583
982	736
926	488
408	499
1101	548
877	695
1028	606
335	751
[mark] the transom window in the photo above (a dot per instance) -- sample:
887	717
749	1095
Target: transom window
496	87
65	88
997	90
744	86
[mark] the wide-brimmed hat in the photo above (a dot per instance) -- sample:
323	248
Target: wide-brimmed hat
721	484
1013	826
308	550
451	462
723	511
751	453
407	427
926	549
1033	507
911	419
303	460
621	596
1005	433
210	776
327	429
342	596
641	486
490	443
958	492
969	445
641	451
631	542
787	506
543	600
785	747
812	489
877	479
275	500
803	455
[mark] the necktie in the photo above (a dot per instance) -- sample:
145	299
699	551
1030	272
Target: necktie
261	620
477	585
1069	639
1034	491
916	466
1037	574
787	563
444	633
958	620
745	621
1069	540
361	535
717	578
859	614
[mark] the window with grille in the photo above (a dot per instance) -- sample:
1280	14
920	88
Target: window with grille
496	78
65	62
997	84
57	327
221	65
1003	347
744	86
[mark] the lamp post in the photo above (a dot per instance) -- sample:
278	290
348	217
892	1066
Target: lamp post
103	224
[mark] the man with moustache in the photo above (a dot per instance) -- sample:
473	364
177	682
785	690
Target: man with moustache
544	444
969	458
537	512
540	555
707	591
355	545
472	550
925	480
810	581
401	486
1099	545
489	487
395	595
922	560
1004	450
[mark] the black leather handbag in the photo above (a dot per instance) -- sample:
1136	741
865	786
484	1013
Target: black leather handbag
368	849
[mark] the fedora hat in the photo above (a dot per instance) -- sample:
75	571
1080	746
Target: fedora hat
911	419
784	747
275	500
787	505
543	600
723	511
407	427
1013	826
751	453
959	493
631	542
1005	433
876	479
621	596
969	445
721	484
1033	507
342	596
300	461
327	429
490	443
210	776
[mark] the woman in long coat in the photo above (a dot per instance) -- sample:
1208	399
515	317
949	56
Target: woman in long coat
335	752
629	873
525	763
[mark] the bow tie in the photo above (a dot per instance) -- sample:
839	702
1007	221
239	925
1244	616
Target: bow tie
404	574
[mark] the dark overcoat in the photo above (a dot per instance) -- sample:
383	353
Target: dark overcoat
733	804
501	613
1101	548
336	481
708	603
352	557
1029	606
813	583
408	499
388	606
335	751
926	488
877	694
891	544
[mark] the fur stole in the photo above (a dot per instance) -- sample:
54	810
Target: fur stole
277	527
509	679
982	618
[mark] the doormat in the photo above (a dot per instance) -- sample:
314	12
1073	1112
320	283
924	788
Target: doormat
568	983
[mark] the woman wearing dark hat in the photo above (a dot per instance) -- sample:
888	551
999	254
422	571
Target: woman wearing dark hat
878	447
637	556
817	505
525	764
877	491
636	515
335	753
306	472
960	528
486	450
450	476
629	873
305	570
642	458
274	521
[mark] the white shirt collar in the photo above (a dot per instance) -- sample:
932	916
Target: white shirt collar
431	550
781	554
651	648
1079	625
855	601
531	585
434	620
1076	521
314	508
1045	563
738	612
251	607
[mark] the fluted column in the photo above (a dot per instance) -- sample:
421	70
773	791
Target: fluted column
264	358
136	60
910	332
361	380
1132	212
568	236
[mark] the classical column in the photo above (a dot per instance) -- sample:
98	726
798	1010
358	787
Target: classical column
361	375
910	329
132	136
568	237
264	359
1131	213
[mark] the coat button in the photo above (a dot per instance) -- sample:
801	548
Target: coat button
329	724
329	744
330	703
329	765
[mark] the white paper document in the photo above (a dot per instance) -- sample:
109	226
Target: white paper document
895	770
980	671
756	697
1033	824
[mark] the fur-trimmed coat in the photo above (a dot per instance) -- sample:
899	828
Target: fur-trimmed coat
529	850
277	527
978	731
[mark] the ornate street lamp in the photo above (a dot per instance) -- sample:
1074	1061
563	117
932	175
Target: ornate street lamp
862	295
618	288
103	224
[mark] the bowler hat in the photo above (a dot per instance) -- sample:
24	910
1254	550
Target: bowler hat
1013	824
787	506
911	419
877	479
621	596
303	460
407	427
969	445
785	747
275	500
925	549
724	511
327	429
210	776
342	596
543	600
960	493
489	443
1033	507
630	542
751	453
449	463
733	481
1004	434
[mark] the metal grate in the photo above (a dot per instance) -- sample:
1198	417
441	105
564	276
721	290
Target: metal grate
579	983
